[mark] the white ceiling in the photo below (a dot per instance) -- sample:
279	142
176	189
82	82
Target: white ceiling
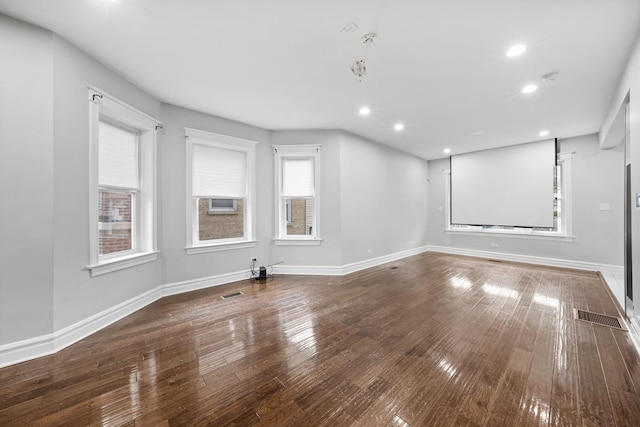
439	67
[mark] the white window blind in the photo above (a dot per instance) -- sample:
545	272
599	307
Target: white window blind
218	172
509	186
297	178
118	157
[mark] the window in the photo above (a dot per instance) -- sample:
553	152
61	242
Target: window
562	208
122	181
297	169
223	205
220	192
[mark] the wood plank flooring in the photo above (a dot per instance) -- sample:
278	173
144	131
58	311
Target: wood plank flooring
440	340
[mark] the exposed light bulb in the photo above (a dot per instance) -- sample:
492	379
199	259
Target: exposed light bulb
529	89
398	126
364	111
359	70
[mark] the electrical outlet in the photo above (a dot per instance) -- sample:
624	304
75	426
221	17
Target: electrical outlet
369	250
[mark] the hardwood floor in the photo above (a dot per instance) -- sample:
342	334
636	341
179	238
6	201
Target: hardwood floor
440	340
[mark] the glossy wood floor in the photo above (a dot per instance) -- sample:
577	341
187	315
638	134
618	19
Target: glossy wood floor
436	340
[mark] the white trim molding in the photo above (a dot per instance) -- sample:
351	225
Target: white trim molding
323	270
144	216
612	274
124	262
529	259
33	348
44	345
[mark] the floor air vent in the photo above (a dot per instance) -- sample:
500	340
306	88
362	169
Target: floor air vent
599	319
235	294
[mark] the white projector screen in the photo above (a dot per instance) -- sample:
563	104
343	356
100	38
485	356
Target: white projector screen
509	186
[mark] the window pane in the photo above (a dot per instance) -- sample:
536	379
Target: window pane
223	205
114	224
218	222
300	217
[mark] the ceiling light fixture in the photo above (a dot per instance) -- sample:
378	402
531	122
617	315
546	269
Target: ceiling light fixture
398	126
516	50
446	150
364	111
529	89
359	68
544	133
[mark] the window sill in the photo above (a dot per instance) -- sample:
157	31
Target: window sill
513	234
216	247
297	242
116	264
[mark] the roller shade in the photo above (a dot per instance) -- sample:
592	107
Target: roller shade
117	157
509	186
218	172
297	178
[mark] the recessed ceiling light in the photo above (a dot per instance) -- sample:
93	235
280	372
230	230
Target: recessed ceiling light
364	111
398	126
529	89
446	150
516	50
544	133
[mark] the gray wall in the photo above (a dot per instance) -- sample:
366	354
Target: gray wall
76	295
629	90
26	181
383	199
177	265
373	197
597	178
328	253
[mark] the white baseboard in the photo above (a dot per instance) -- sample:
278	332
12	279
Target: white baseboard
33	348
320	270
28	349
205	282
529	259
613	274
634	332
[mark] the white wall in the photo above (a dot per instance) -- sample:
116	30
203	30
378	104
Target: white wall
76	294
26	181
328	252
373	197
629	88
383	199
177	265
597	178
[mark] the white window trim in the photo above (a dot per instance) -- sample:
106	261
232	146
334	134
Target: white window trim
194	245
566	234
281	152
101	104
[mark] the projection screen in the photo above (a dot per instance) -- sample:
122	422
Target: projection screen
508	186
